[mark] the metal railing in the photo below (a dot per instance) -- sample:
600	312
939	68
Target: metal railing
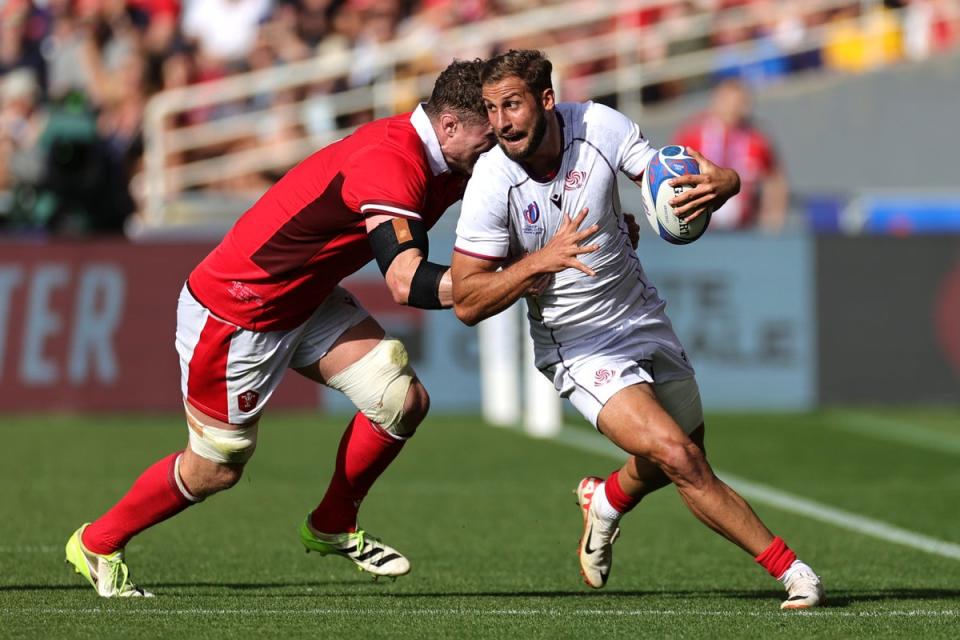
179	160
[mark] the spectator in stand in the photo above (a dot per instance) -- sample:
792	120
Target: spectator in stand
726	134
21	122
858	42
746	50
931	26
225	30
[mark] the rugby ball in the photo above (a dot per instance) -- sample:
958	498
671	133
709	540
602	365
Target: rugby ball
670	162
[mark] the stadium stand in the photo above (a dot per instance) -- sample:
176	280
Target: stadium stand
159	114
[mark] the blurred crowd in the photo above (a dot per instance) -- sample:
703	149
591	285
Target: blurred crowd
75	75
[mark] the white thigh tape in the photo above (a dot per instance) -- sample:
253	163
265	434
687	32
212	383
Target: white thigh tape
221	445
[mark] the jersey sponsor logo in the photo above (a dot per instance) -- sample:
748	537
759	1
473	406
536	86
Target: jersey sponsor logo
557	201
247	401
602	377
243	293
532	213
574	180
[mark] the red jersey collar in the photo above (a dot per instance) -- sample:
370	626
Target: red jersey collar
421	122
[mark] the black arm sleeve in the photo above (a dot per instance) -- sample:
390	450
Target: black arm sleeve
425	286
390	239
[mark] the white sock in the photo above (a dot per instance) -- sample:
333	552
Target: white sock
602	507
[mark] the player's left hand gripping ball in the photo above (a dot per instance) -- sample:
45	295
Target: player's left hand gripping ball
670	162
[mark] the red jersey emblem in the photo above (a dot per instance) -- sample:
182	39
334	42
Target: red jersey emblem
247	401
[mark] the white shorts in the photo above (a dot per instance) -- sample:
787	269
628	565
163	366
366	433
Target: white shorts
593	370
230	373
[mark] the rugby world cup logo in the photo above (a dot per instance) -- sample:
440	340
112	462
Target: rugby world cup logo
532	213
574	180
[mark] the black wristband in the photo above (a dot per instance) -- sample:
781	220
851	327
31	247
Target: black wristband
425	286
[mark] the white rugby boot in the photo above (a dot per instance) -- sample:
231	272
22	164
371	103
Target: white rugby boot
596	543
367	552
107	573
804	589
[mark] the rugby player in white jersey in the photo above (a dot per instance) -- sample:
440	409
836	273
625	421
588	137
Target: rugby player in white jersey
598	325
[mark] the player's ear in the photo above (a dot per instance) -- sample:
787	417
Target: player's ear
449	123
548	98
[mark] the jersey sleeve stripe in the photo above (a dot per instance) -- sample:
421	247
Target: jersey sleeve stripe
473	254
374	208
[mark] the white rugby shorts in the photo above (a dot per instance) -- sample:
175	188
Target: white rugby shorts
593	370
230	373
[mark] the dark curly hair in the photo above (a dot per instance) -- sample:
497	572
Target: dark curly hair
458	89
529	65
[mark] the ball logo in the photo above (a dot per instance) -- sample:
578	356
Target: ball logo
574	180
532	213
247	401
602	377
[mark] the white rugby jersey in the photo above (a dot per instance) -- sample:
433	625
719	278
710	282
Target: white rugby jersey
507	214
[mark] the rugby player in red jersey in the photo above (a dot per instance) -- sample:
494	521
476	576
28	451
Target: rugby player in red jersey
267	299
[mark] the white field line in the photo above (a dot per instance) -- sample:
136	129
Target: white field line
893	430
480	613
584	440
31	548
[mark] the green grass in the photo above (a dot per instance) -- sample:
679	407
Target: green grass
488	519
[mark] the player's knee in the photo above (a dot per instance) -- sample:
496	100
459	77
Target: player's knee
683	462
414	409
200	478
221	478
379	384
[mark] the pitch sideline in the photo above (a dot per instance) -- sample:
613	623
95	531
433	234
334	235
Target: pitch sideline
893	430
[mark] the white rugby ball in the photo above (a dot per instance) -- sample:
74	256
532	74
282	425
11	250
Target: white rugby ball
670	162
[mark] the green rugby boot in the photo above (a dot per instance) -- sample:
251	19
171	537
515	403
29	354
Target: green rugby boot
364	550
108	574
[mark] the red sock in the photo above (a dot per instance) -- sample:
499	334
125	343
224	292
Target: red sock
154	497
365	451
776	558
616	496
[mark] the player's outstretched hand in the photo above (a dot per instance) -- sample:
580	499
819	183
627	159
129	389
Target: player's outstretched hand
564	247
711	188
633	229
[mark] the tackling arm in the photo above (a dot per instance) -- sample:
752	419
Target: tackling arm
481	291
400	249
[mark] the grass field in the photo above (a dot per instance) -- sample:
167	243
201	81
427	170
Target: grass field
870	498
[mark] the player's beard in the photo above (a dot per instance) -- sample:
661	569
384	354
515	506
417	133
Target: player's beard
533	140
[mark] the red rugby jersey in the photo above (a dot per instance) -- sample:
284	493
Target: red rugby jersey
307	232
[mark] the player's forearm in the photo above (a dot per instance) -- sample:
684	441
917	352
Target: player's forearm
481	294
402	280
446	290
